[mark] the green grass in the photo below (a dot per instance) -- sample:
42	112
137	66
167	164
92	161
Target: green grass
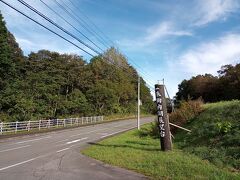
215	135
142	154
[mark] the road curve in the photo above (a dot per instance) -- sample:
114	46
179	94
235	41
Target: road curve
56	155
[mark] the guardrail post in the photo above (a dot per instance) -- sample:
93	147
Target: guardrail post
16	127
49	123
82	120
71	121
77	121
57	122
39	125
64	123
1	128
29	124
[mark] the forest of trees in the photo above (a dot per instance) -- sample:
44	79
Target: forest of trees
225	86
48	84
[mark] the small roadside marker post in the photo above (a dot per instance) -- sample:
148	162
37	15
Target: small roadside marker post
138	104
162	119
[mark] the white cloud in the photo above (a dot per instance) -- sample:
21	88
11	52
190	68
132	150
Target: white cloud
162	30
209	57
207	11
153	34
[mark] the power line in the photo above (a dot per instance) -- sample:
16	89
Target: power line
46	27
106	37
70	24
59	27
77	19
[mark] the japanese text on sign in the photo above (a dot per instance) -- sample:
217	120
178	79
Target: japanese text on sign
160	112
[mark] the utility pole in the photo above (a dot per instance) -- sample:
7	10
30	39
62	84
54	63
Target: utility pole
138	105
162	118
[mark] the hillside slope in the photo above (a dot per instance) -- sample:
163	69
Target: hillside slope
215	135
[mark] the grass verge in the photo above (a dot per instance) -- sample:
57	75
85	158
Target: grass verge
142	155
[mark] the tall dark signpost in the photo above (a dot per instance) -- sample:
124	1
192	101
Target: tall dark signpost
162	118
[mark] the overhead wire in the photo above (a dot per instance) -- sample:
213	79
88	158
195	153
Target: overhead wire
45	27
96	27
70	24
77	19
56	25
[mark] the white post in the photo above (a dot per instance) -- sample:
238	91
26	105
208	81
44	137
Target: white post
49	123
138	105
64	123
39	125
29	125
57	122
1	128
16	126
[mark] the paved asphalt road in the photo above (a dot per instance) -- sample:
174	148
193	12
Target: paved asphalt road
56	155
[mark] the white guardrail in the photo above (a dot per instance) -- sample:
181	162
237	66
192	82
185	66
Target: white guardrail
14	127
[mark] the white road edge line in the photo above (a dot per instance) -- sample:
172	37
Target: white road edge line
117	132
33	140
62	150
14	148
77	140
17	164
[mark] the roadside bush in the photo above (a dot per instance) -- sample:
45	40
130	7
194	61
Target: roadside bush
186	111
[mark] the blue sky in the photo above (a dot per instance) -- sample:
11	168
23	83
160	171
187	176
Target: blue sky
167	39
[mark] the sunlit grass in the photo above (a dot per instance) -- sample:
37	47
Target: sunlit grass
142	155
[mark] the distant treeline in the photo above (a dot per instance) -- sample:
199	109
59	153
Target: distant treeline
48	84
225	86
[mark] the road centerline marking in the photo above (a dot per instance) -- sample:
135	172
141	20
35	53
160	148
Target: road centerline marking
20	163
11	149
76	140
117	132
62	150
